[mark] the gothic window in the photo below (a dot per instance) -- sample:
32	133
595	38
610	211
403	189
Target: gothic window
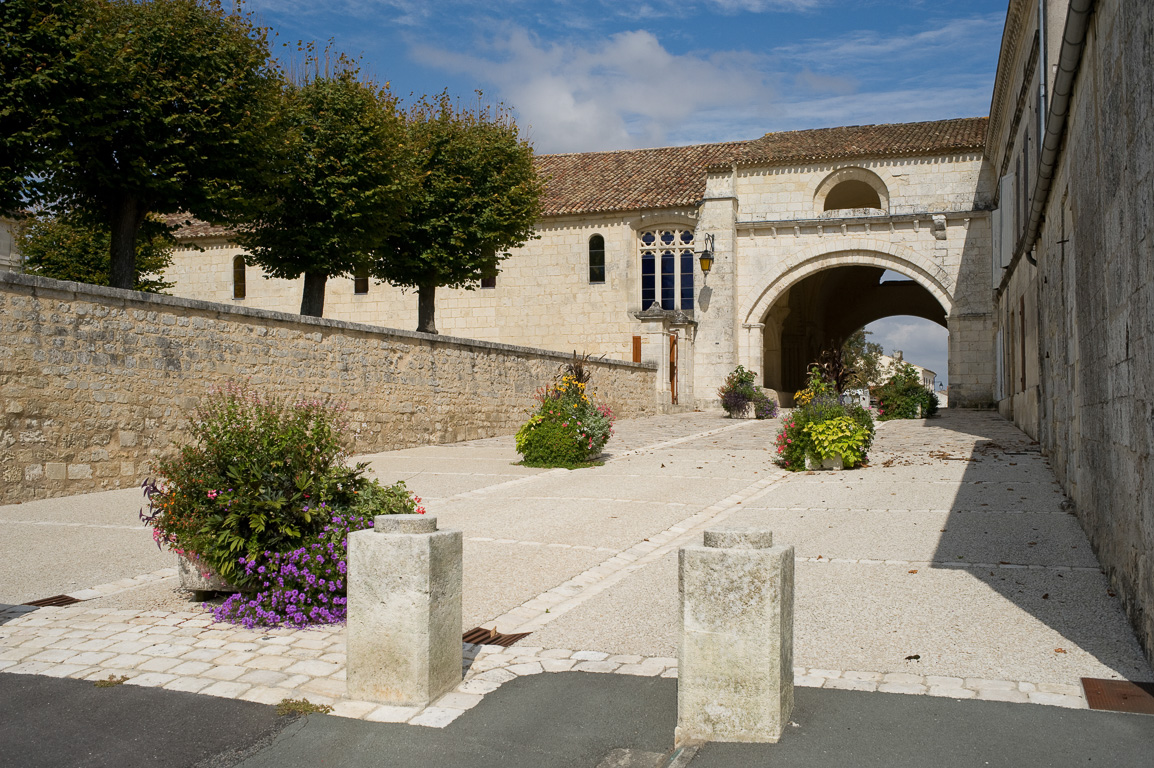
361	280
672	249
597	259
238	286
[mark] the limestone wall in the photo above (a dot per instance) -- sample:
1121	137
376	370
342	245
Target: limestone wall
96	382
1095	289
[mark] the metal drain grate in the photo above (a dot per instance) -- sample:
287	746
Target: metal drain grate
53	602
1119	695
482	636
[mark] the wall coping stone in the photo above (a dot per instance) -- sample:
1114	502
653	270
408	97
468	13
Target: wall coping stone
158	302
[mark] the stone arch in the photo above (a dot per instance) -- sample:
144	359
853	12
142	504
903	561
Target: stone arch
850	176
812	260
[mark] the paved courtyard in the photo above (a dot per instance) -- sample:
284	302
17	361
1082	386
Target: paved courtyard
950	567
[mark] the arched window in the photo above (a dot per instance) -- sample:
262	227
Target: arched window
852	194
849	189
361	280
596	259
238	286
674	248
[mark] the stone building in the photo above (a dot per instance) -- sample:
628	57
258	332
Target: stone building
1071	143
801	224
9	256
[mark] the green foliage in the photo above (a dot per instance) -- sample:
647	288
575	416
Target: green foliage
863	357
130	108
740	392
301	707
822	428
840	436
478	196
68	248
904	397
568	430
834	368
260	475
346	182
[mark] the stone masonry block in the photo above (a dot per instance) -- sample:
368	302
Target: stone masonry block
735	668
404	611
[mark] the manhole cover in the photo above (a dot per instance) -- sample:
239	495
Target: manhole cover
1119	695
482	636
52	602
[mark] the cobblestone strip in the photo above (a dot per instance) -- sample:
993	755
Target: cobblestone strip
187	651
493	666
547	606
959	565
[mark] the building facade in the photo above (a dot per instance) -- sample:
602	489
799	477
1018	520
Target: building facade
802	226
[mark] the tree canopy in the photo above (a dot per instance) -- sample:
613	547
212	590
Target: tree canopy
864	357
478	196
69	248
345	184
130	108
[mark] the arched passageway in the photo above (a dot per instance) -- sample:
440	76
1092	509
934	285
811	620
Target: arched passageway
821	310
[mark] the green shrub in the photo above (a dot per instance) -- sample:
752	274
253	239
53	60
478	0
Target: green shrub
821	428
904	397
568	429
740	392
260	475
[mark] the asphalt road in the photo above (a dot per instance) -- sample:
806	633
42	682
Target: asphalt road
565	720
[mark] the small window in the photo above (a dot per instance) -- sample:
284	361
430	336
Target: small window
597	259
489	282
361	280
238	286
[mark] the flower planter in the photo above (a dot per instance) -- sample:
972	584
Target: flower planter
834	463
197	577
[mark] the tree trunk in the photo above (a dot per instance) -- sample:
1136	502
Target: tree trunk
313	298
127	216
426	307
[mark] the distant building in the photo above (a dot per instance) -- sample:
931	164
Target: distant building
10	260
886	364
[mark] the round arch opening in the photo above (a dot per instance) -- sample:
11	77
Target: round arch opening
821	308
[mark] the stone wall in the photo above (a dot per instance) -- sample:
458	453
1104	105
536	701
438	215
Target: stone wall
97	382
1094	313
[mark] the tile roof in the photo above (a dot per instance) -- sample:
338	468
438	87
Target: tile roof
672	177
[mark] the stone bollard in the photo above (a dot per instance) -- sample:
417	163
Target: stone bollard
404	622
735	663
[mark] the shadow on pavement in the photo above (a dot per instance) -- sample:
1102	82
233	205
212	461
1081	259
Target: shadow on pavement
1010	516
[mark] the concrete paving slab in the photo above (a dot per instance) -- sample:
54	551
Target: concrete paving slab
589	522
38	561
499	577
926	535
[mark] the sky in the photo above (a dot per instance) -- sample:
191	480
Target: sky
586	75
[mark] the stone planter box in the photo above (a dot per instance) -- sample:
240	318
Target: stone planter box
199	578
834	463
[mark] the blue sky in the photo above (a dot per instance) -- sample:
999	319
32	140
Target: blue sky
594	74
583	75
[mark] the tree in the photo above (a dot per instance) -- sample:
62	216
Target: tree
864	357
346	180
477	197
69	248
152	107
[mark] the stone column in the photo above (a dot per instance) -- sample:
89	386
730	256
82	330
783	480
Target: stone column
404	623
735	664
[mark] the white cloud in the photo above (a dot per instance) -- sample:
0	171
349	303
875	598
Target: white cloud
623	91
869	47
922	342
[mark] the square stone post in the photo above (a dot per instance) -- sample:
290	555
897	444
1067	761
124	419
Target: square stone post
735	662
404	611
